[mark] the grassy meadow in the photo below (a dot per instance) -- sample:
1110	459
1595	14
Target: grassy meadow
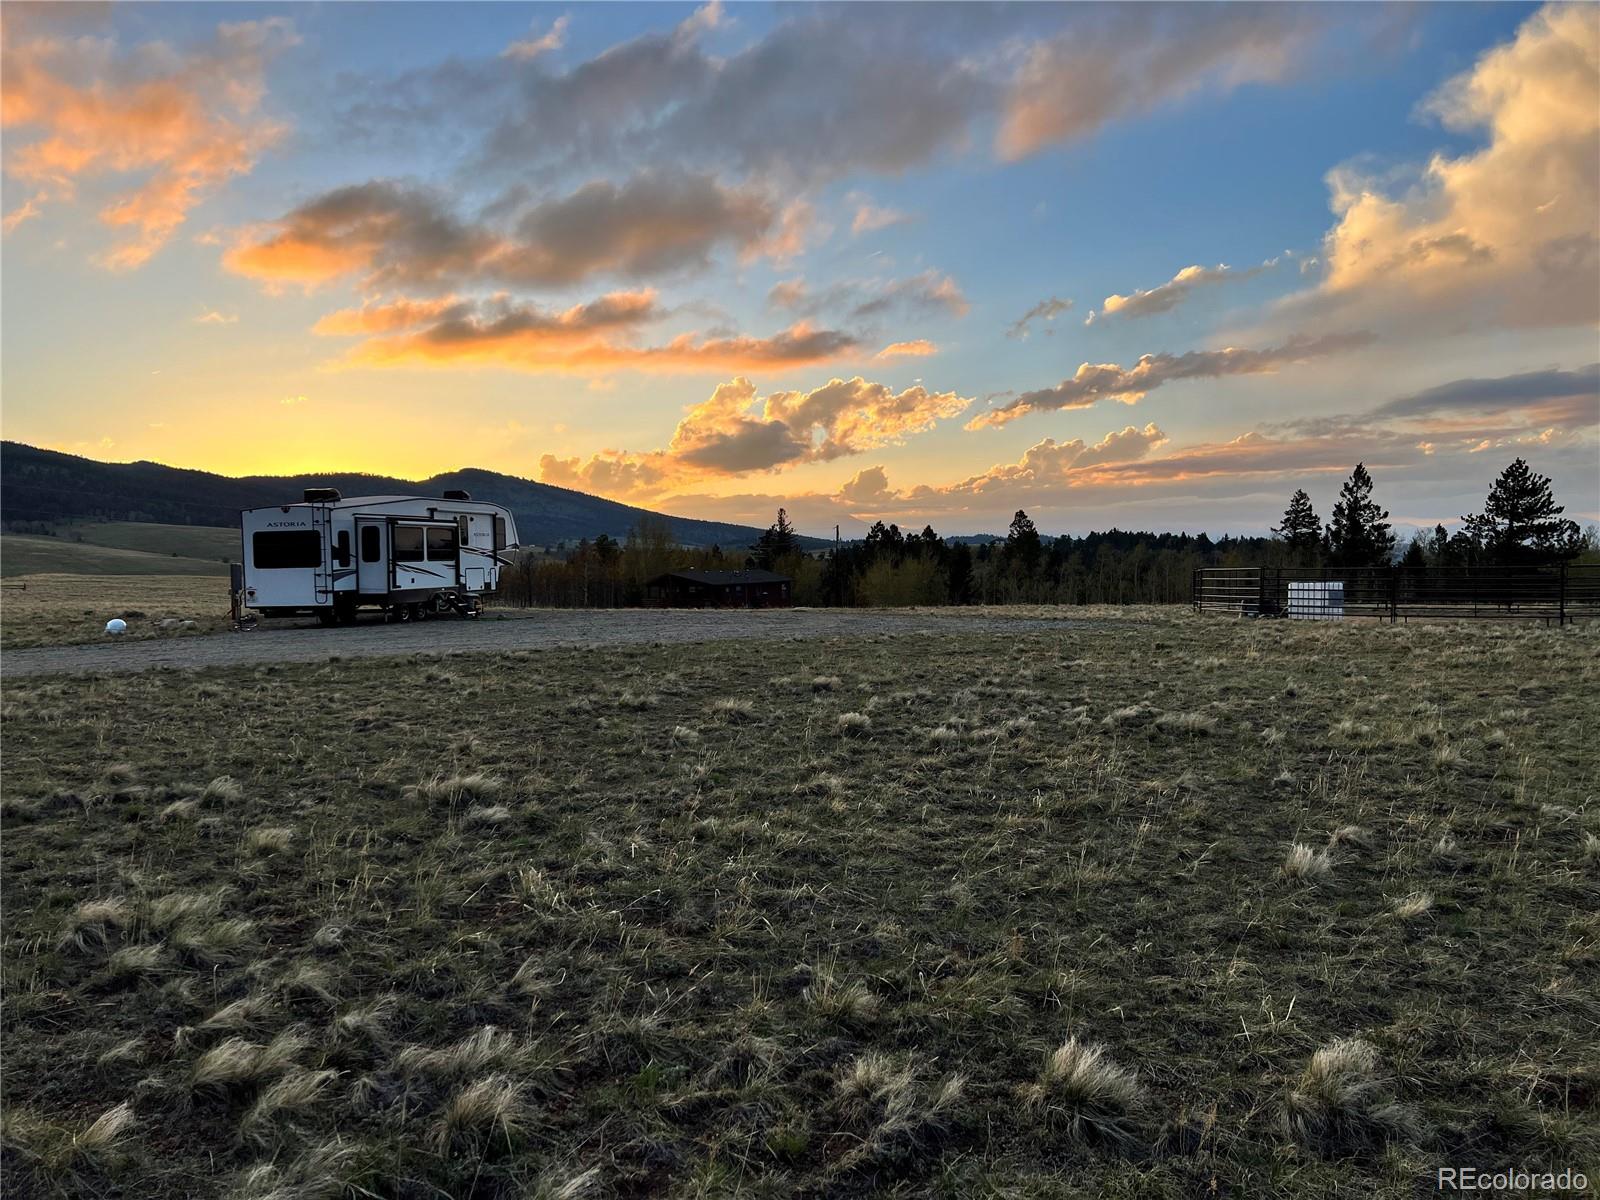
1173	907
120	548
61	609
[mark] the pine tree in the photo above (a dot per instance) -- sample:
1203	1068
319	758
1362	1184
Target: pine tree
1301	529
1521	521
1023	547
1359	534
776	543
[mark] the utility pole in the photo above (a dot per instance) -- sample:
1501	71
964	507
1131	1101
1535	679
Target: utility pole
838	582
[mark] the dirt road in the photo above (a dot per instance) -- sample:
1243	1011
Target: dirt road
533	630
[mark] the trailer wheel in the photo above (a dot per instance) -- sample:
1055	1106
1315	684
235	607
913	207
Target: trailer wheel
400	612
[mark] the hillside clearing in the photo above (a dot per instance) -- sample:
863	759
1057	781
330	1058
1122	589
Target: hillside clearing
653	920
25	554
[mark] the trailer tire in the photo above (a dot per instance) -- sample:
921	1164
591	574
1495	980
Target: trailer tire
400	612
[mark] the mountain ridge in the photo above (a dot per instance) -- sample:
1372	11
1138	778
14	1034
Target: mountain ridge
39	485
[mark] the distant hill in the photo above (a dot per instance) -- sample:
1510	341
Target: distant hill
21	554
50	487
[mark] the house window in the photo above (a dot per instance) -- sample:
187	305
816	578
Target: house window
371	544
442	544
288	548
407	541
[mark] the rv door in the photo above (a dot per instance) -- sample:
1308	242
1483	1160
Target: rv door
372	556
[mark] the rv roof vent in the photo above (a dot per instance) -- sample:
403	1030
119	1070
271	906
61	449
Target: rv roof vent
321	495
457	494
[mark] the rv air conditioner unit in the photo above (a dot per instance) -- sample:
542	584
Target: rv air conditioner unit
322	496
456	494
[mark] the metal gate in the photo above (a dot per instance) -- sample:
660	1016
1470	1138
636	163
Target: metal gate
1557	592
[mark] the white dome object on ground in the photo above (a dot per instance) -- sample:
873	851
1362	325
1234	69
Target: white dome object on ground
116	626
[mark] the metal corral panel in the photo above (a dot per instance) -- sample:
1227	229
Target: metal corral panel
1316	600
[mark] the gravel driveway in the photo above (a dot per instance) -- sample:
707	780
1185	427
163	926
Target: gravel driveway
531	630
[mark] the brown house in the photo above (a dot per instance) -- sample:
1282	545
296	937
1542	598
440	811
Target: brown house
719	589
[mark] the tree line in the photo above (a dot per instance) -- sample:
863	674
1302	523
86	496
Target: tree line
1520	523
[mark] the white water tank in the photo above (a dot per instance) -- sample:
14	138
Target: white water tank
1316	600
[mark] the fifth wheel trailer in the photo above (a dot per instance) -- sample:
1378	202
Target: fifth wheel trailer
411	556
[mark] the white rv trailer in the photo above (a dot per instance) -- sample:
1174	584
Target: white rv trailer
411	556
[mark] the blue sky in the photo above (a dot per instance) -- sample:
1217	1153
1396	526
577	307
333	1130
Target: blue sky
545	239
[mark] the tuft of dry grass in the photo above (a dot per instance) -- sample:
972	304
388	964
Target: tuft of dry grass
490	1108
224	789
147	958
297	1091
236	1063
853	724
732	710
895	1119
176	908
488	815
1192	723
1306	864
95	924
269	839
849	1002
1410	907
1341	1105
215	941
1082	1093
484	1049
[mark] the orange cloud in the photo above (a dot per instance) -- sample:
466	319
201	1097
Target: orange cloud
530	48
76	110
597	336
918	348
393	235
735	432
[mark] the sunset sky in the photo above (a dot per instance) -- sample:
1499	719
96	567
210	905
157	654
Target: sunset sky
1137	266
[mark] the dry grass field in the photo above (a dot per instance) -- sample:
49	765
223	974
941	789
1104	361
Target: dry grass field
1157	908
64	609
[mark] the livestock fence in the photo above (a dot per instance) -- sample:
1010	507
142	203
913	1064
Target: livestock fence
1558	592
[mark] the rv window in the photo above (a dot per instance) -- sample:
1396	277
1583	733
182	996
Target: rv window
371	544
286	548
499	533
441	543
341	548
407	542
464	524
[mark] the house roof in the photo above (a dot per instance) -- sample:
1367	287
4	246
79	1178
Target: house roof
724	578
